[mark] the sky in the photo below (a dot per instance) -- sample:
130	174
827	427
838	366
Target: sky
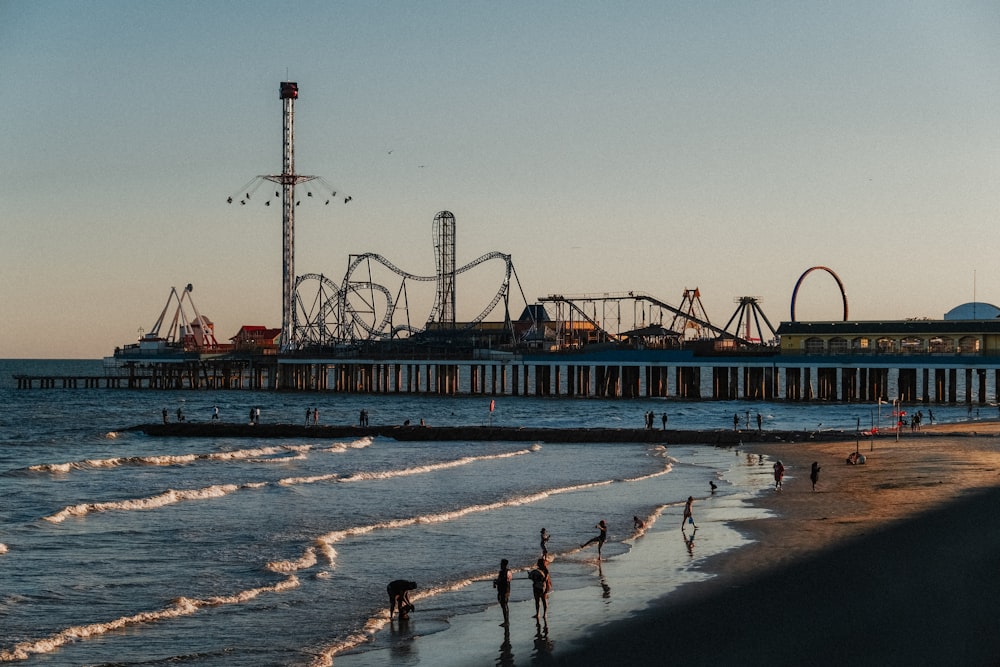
606	147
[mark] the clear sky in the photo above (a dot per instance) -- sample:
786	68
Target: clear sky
607	146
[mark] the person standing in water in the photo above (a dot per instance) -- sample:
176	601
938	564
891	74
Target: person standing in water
502	584
688	513
599	538
543	539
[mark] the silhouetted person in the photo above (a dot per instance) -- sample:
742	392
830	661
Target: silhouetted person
599	538
543	538
712	484
779	475
399	597
814	474
502	584
541	584
688	513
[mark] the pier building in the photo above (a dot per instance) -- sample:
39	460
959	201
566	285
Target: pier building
914	361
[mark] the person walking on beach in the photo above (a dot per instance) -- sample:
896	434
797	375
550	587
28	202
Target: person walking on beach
779	474
502	584
688	514
543	538
814	474
541	584
399	597
599	538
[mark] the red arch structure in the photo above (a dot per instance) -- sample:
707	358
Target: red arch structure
798	284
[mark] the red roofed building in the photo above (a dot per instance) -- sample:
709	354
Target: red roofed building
254	338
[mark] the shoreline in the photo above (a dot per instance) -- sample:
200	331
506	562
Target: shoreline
891	562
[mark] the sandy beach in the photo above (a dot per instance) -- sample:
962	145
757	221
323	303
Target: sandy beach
889	563
894	562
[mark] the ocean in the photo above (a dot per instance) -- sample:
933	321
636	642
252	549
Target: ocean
117	548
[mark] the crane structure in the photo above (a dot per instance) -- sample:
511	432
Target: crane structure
196	332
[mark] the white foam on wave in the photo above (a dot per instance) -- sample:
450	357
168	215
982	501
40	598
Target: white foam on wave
292	481
430	467
325	542
168	497
180	607
666	470
256	455
325	657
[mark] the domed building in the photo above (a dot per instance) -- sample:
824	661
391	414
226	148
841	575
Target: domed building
974	310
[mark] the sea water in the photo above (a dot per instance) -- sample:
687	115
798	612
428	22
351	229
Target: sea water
120	548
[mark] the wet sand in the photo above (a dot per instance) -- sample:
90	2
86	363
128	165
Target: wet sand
889	563
895	562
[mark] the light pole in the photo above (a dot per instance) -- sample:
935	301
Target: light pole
857	436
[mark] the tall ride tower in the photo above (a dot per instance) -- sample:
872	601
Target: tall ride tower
288	179
443	311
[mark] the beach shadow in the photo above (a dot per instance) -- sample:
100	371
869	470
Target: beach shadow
506	657
689	541
543	645
605	588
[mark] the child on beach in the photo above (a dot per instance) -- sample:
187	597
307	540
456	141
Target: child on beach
599	538
688	513
544	538
779	474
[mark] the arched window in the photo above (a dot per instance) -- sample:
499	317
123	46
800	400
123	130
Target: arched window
838	345
912	345
815	346
885	345
861	344
941	345
968	344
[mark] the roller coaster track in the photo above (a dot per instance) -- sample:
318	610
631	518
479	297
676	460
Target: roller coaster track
571	300
330	315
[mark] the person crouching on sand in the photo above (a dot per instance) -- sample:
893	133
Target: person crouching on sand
399	597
